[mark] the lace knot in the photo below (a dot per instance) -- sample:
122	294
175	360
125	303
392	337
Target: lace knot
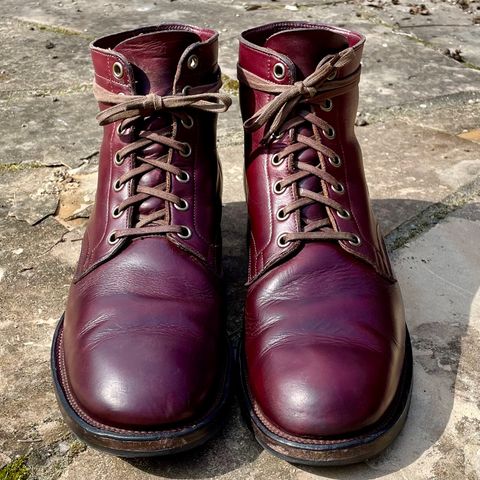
305	90
154	102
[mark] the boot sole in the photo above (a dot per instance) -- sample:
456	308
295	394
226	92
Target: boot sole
335	451
125	443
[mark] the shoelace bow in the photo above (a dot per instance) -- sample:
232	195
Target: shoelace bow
130	109
277	118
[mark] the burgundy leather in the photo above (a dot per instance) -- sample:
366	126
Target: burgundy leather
324	324
143	332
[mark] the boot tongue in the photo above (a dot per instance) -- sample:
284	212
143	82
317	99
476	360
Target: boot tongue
306	47
154	58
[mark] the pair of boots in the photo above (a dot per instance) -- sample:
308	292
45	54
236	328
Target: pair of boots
141	362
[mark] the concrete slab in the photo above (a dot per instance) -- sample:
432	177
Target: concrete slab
41	131
35	60
408	168
446	26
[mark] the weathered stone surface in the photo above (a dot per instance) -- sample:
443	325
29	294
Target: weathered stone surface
456	114
35	60
38	131
447	26
398	70
33	194
408	168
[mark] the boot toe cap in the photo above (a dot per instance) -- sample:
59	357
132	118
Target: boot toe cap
321	392
143	383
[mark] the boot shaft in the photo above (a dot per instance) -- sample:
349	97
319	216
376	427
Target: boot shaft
286	71
154	67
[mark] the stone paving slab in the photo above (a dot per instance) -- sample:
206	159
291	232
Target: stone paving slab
408	168
31	195
41	131
34	59
455	114
398	70
445	27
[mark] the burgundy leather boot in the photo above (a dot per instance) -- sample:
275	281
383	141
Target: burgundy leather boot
140	359
326	364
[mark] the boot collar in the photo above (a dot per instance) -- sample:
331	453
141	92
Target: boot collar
260	50
118	74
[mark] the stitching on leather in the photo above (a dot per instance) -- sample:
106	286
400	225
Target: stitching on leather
199	234
107	211
251	255
109	80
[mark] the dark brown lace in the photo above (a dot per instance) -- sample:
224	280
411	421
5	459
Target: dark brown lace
131	110
291	108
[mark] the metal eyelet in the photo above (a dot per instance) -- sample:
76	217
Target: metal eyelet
338	189
120	130
118	160
117	69
279	71
188	123
345	214
185	233
281	242
355	241
330	133
327	105
332	76
112	239
117	186
277	188
336	161
192	62
276	136
276	160
183	177
281	215
188	150
182	205
185	89
116	212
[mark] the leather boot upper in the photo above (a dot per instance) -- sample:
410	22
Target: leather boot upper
143	332
324	321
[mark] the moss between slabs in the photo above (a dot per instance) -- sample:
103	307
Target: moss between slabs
16	470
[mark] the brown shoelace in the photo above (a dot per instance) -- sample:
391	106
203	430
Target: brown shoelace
131	109
291	108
